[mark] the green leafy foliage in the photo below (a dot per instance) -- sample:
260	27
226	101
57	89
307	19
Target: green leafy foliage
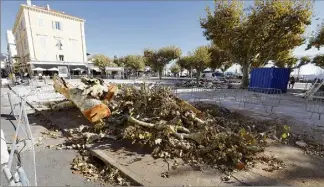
319	60
219	59
157	59
185	62
118	61
254	37
102	61
318	39
175	68
201	58
134	62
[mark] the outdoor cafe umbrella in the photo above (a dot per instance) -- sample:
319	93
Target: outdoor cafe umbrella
78	69
39	69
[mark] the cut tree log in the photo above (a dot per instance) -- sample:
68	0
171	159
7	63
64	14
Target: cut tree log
89	99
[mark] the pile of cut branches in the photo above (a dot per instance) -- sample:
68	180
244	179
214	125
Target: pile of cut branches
153	116
175	128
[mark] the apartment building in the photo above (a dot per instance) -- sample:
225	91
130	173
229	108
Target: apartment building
47	39
11	47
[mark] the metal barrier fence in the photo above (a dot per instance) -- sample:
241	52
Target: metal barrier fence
267	97
47	93
21	167
315	104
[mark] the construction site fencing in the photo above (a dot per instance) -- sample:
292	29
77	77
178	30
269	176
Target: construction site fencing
21	167
315	104
266	97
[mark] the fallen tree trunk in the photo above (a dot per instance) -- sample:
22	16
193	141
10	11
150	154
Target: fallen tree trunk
89	98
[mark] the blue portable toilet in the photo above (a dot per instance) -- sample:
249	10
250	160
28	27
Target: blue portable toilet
270	78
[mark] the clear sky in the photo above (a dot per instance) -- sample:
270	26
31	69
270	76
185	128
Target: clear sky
127	27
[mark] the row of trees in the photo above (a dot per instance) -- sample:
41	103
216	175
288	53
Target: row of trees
267	30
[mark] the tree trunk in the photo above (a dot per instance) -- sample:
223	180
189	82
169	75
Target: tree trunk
91	100
245	78
160	74
198	76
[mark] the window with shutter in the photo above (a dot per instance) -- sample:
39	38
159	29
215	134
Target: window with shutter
56	25
61	57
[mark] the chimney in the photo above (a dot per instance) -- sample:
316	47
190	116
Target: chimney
48	7
29	2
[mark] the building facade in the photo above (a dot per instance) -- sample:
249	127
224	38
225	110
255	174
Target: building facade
11	47
49	39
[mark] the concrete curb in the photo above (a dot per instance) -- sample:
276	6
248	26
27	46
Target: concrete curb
138	180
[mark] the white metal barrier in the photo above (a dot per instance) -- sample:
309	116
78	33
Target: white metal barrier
315	104
22	153
47	93
267	97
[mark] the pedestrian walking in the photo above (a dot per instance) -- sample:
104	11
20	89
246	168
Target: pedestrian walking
292	82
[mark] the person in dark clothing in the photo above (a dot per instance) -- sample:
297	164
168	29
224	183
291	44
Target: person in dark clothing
315	81
292	82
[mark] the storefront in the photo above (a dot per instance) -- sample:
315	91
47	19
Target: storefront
52	68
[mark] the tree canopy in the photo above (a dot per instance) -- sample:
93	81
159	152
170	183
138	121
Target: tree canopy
201	58
118	61
102	61
185	62
252	38
157	59
317	40
175	68
134	62
219	59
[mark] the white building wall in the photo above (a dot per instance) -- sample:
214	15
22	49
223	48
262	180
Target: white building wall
37	37
21	39
11	46
43	37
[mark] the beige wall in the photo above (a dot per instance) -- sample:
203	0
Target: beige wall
21	39
42	37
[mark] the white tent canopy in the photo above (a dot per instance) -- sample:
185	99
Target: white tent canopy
309	69
95	68
114	68
78	69
39	69
53	69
